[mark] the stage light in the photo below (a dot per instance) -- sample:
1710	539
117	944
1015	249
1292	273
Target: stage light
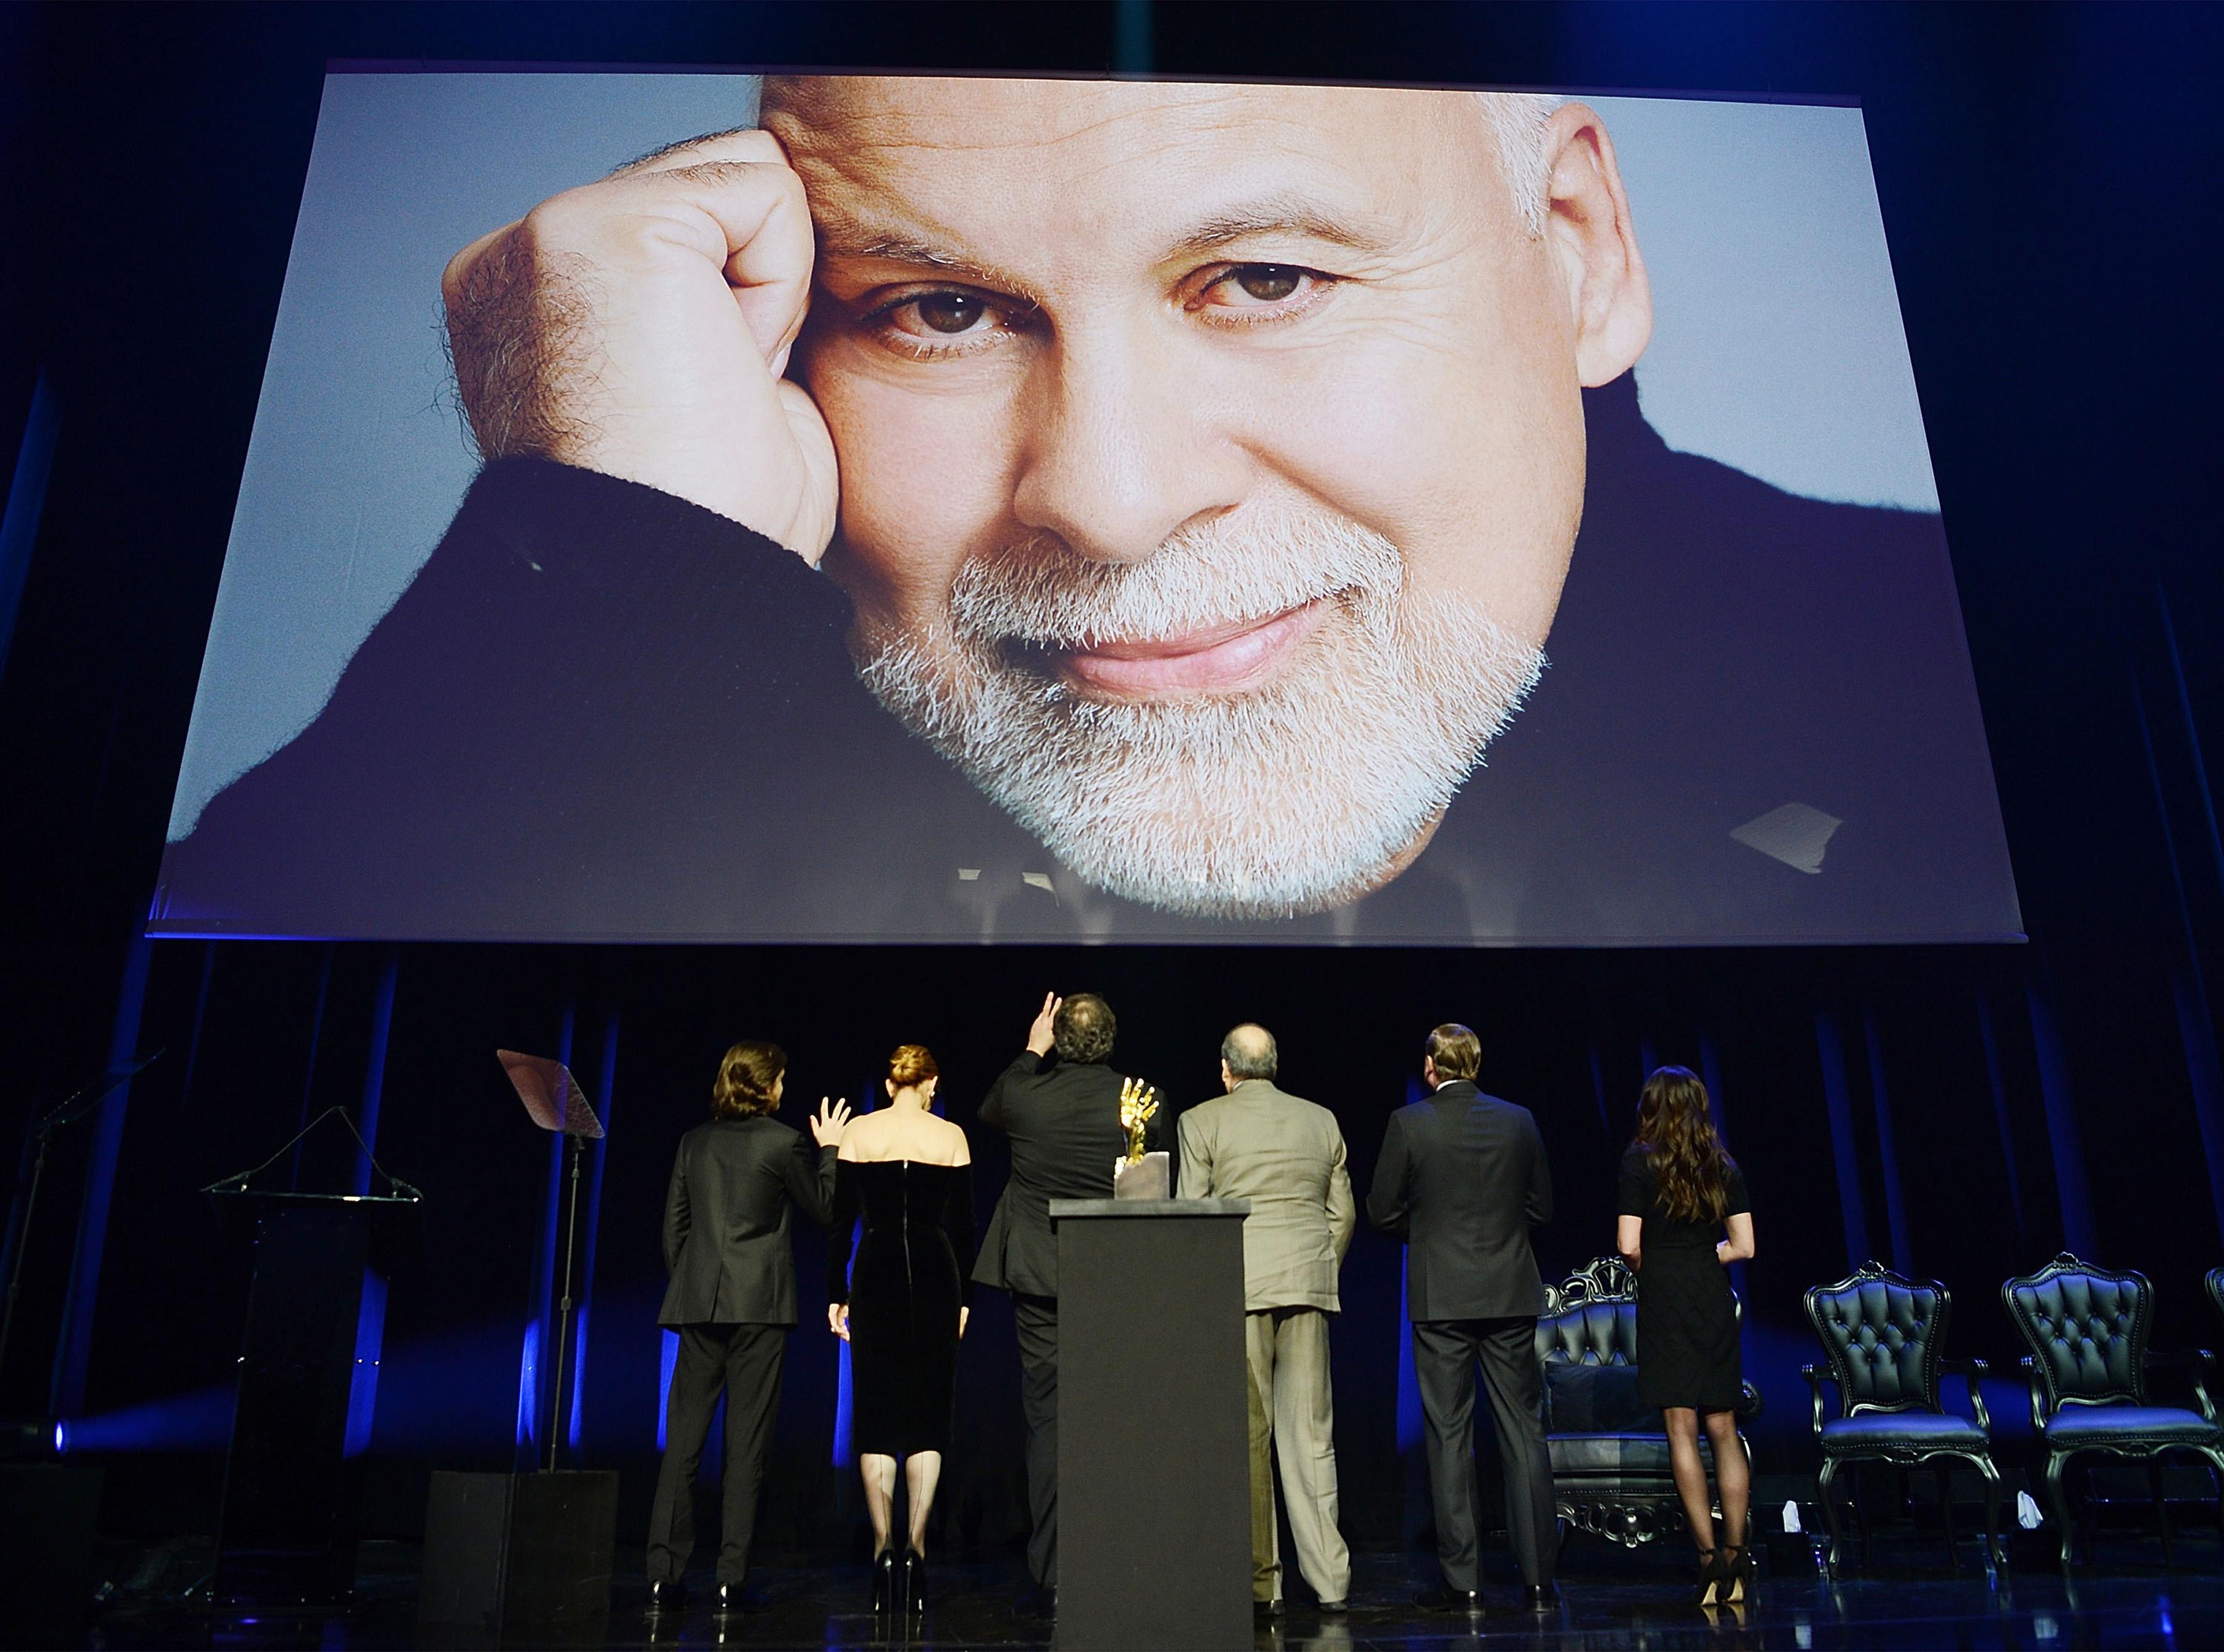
62	1438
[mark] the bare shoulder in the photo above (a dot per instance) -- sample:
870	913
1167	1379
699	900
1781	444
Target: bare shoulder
953	1138
862	1135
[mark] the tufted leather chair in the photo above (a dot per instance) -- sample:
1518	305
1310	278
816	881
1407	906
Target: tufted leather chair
2087	1329
2212	1281
1885	1338
1610	1473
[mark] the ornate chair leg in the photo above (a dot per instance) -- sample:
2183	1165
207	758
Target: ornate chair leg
2161	1508
1830	1507
2088	1511
2216	1473
1946	1511
1995	1550
2058	1501
1861	1516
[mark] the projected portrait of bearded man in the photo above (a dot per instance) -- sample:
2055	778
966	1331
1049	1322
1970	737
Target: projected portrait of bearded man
1210	456
1182	479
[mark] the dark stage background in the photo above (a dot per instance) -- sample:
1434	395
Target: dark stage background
2047	182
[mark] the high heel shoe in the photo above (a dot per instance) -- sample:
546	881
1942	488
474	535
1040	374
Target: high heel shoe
914	1582
1736	1587
1710	1576
886	1578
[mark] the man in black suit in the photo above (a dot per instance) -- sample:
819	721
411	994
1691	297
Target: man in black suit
731	1298
1462	1179
1094	408
1059	1104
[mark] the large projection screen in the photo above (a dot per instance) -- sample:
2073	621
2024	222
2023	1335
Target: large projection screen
993	510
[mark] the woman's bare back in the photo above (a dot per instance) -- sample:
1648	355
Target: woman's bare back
905	1133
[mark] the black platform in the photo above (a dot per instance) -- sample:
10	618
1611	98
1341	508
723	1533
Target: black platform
1154	1453
1612	1602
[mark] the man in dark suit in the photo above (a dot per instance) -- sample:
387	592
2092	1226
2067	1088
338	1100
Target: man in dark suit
732	1300
1059	1104
1462	1179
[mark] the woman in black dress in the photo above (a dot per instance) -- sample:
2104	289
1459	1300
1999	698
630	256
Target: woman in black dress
904	1306
1683	1219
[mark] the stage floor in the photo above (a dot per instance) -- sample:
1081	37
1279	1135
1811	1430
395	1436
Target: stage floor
1610	1601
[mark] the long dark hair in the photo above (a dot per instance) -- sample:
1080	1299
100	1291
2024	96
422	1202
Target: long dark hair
1675	1126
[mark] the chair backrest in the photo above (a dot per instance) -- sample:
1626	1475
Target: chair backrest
1587	1344
2214	1282
1885	1336
2087	1328
1590	1317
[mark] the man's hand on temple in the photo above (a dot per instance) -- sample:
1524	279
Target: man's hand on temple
639	327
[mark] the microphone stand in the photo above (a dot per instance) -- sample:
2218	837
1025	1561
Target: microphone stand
557	1423
65	1112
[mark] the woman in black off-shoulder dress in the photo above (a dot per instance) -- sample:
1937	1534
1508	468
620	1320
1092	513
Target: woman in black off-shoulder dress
905	1183
1684	1218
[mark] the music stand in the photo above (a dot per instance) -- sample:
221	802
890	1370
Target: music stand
554	1101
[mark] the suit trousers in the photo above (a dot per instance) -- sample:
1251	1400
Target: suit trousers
745	1361
1445	1355
1293	1418
1036	1320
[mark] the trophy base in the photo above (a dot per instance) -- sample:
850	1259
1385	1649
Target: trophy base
1149	1177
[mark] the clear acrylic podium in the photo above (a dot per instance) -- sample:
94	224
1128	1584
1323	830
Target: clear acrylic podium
308	1365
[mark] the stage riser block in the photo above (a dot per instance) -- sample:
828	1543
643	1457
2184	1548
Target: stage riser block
510	1554
47	1515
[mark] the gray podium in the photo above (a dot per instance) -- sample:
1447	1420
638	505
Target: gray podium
1154	1479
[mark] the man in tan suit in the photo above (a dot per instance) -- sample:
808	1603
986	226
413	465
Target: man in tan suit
1286	1157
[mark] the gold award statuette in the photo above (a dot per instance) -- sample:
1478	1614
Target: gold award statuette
1138	1174
1139	1105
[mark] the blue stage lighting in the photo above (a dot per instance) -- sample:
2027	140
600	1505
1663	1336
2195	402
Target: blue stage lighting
529	1385
198	1419
668	1357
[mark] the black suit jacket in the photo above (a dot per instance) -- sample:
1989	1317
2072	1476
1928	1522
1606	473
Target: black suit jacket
1462	1179
601	712
1064	1121
734	1184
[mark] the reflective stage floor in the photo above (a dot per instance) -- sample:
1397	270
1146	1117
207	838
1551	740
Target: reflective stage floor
1609	1600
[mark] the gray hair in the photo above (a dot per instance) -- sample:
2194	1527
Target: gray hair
1516	120
1250	1051
1517	123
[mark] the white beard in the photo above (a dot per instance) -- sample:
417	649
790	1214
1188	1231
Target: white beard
1292	797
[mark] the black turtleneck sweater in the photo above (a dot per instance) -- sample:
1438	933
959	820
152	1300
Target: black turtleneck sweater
601	712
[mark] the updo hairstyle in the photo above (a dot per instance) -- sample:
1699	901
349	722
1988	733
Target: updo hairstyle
912	1065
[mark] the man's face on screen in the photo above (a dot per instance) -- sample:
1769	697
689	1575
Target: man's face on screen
1211	457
